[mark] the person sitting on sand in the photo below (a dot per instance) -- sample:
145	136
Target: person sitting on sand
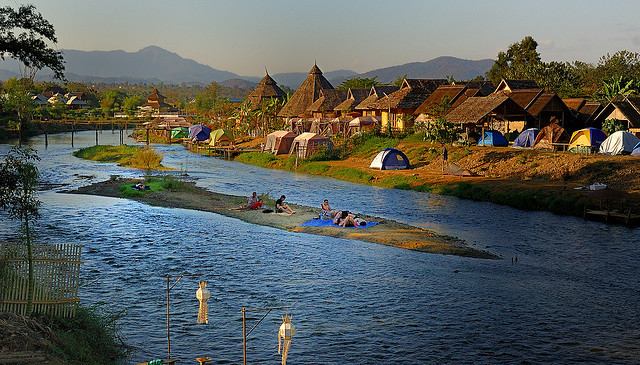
254	202
327	211
282	207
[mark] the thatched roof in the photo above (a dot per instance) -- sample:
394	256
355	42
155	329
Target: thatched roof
468	93
484	87
525	97
306	94
412	93
548	102
375	94
442	93
511	85
473	110
155	96
328	100
266	89
354	97
575	103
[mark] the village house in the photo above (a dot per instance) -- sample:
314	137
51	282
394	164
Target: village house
584	110
398	107
440	102
156	106
307	93
625	108
354	97
367	106
545	107
508	86
266	91
324	105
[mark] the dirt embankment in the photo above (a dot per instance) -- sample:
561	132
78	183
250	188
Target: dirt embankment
387	232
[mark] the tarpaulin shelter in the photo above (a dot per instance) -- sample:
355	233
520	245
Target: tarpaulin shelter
390	159
307	144
493	138
199	132
179	132
363	124
586	139
526	139
553	133
620	142
220	137
279	142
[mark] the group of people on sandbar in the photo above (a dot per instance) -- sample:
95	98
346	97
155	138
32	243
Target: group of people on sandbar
255	202
341	218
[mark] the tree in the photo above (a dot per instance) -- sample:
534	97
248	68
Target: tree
620	85
613	125
399	81
441	131
18	196
130	104
24	34
111	100
358	83
520	61
18	101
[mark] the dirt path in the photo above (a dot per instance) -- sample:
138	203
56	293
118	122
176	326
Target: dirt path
387	232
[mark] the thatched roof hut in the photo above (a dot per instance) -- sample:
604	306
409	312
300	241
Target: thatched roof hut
622	107
511	85
444	93
354	97
327	101
545	107
376	92
267	89
306	94
412	93
486	109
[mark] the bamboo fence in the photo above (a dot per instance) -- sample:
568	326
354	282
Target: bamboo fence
56	269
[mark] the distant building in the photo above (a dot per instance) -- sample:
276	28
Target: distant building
266	90
306	94
156	107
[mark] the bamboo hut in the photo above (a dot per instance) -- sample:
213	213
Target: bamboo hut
328	100
366	106
354	97
266	90
624	108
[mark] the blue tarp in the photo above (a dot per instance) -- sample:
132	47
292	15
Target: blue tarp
199	132
493	138
526	138
329	223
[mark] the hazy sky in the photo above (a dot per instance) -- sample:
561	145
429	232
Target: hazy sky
244	37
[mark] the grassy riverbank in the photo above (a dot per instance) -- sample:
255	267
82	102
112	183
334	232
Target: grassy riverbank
524	179
130	156
174	193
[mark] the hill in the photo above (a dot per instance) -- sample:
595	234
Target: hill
437	68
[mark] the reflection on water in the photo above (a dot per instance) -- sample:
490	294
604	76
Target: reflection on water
571	297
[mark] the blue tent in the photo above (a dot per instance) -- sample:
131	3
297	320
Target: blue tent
636	150
493	138
199	132
390	159
526	138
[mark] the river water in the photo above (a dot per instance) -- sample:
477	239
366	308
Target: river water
572	296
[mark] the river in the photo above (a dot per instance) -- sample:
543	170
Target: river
572	296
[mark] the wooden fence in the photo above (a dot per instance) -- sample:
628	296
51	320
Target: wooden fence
56	269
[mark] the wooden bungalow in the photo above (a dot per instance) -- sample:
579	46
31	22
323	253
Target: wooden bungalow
626	108
439	102
511	85
546	107
266	90
354	97
496	111
366	107
324	106
395	107
306	94
584	110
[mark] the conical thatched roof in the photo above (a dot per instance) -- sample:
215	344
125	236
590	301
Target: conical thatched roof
266	89
306	94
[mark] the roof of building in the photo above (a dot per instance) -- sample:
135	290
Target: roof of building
412	93
306	94
475	109
328	100
511	85
267	88
448	93
375	94
354	97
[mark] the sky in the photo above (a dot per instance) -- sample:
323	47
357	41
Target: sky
244	36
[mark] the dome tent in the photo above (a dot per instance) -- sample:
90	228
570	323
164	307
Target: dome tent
493	138
620	142
179	132
220	137
636	150
390	159
586	139
199	132
526	138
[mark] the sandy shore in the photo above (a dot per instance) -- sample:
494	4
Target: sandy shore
387	232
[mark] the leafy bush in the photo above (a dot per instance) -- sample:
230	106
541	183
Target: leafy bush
325	154
610	126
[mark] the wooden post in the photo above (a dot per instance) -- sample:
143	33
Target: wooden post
96	134
168	338
244	338
73	129
46	137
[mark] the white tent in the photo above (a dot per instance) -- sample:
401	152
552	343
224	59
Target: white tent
620	142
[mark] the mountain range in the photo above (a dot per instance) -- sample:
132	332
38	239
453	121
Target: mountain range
154	65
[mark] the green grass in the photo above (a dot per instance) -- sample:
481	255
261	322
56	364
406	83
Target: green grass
257	158
155	183
353	175
398	182
315	168
124	155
